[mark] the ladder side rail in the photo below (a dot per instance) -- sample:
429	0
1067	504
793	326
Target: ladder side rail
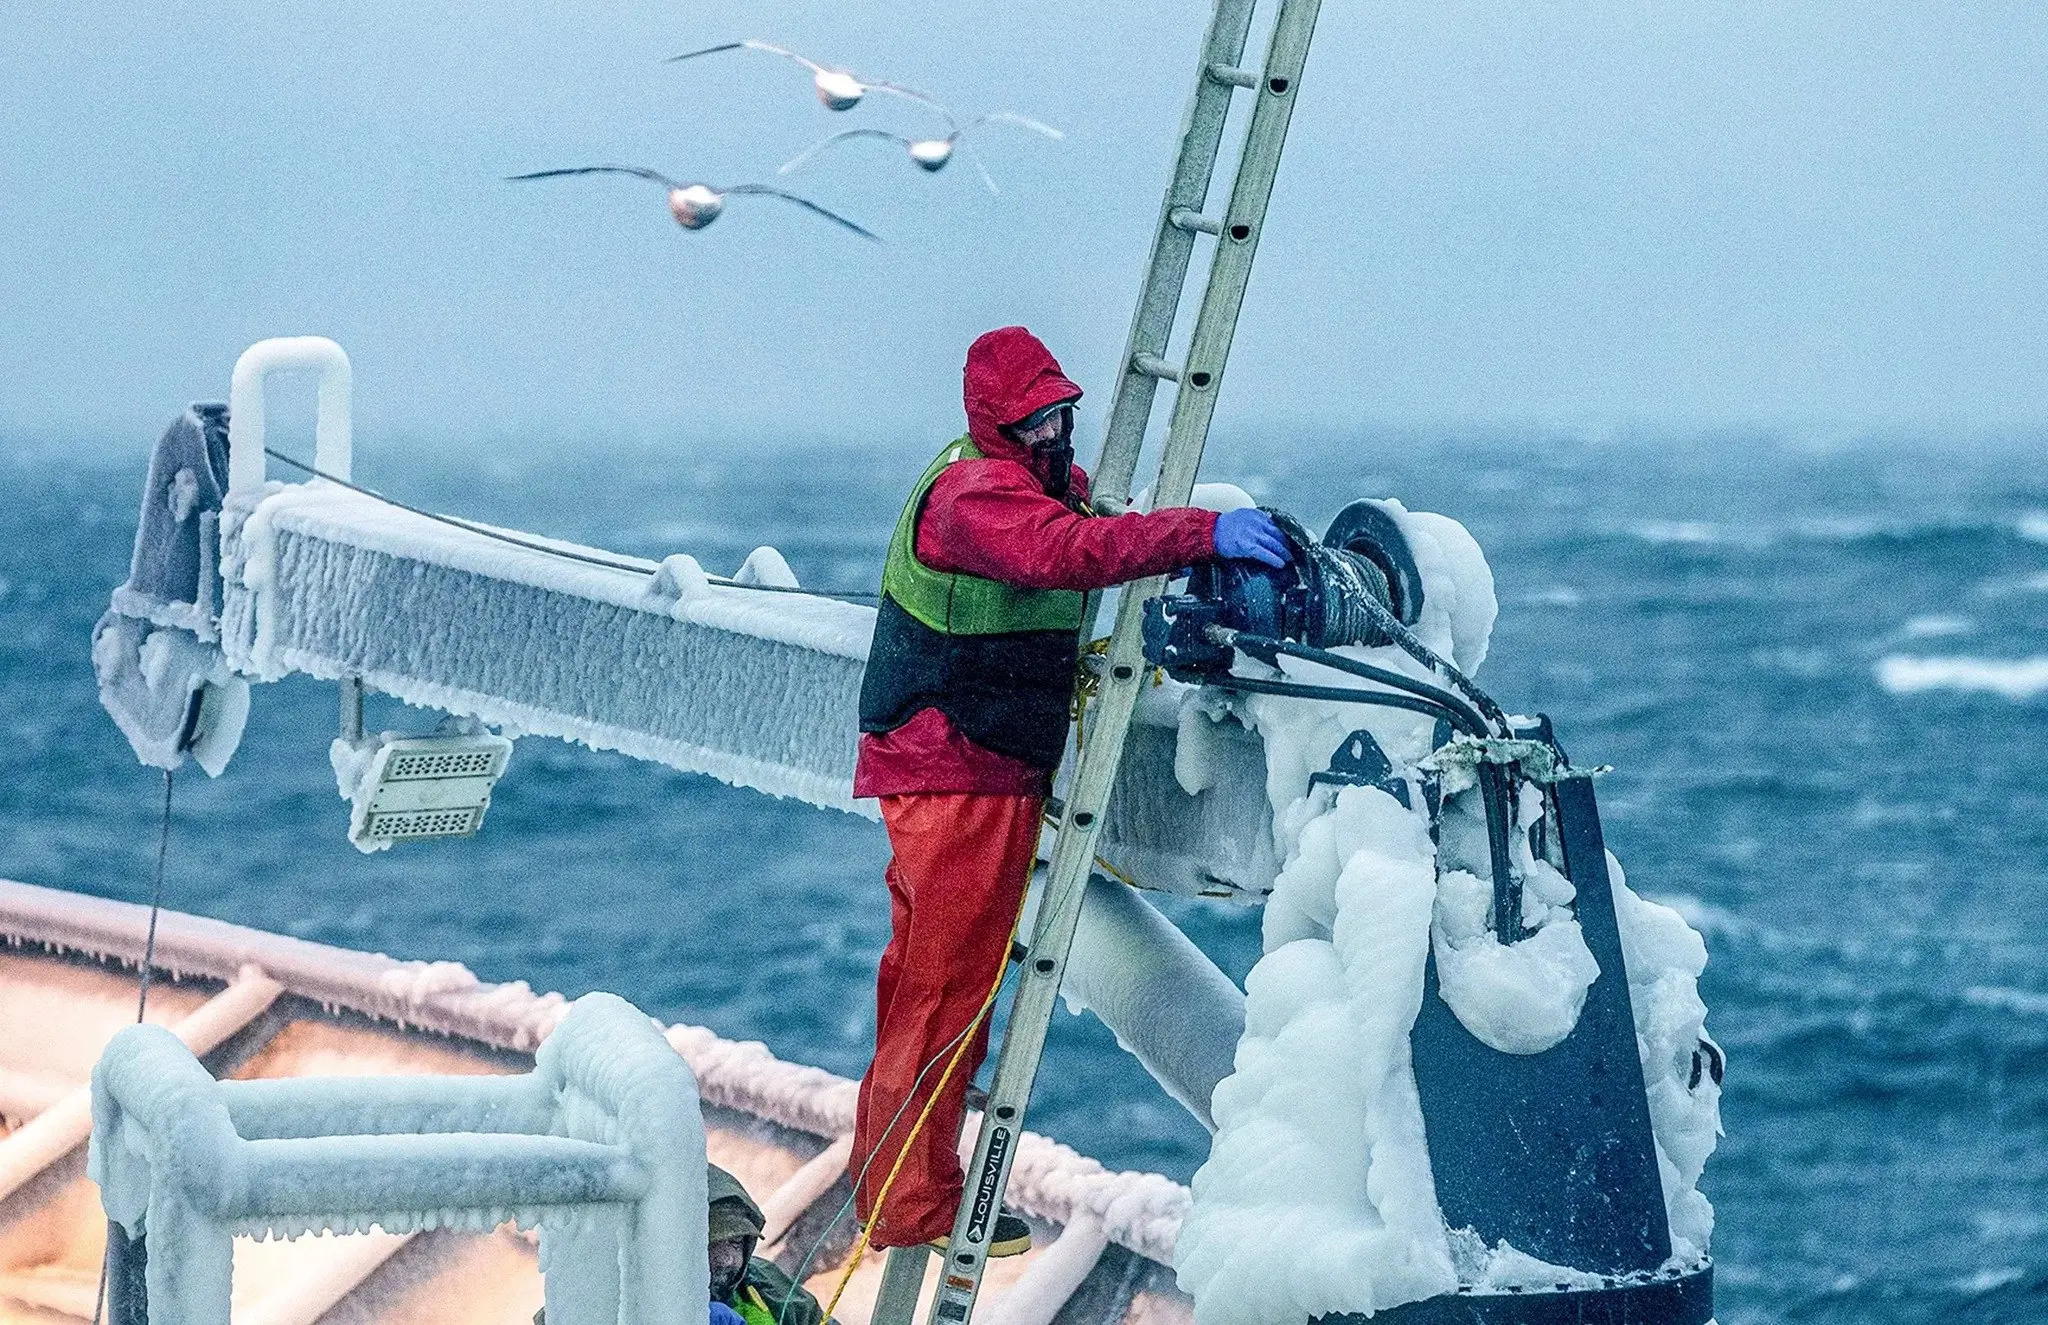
1173	248
1230	271
1074	849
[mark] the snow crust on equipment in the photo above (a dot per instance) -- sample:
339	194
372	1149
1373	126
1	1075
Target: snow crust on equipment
1524	997
326	511
755	688
150	675
1665	956
1318	1195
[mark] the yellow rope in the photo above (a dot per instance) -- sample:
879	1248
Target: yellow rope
860	1246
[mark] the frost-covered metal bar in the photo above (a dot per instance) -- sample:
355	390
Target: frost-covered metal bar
602	1146
759	689
65	1123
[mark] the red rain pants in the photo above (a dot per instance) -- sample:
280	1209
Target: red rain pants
962	863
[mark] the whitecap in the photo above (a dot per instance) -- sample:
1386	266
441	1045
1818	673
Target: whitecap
2022	1001
1708	918
1695	532
1934	627
1988	1280
2013	678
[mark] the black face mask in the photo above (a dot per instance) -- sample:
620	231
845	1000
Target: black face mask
1055	456
1059	467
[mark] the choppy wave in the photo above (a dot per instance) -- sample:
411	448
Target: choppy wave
2012	678
1937	627
2008	1000
2028	526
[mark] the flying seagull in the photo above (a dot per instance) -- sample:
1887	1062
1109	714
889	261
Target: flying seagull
838	89
695	205
929	153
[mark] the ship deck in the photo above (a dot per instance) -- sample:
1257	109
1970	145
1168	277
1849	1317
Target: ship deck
258	1005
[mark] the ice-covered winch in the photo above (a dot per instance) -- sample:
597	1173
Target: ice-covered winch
1335	591
1537	1144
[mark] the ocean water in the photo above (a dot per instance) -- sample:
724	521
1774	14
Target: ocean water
1718	621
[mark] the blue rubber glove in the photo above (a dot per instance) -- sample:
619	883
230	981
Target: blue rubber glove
1249	534
722	1314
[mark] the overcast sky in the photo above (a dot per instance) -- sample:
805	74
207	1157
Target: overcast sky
1805	215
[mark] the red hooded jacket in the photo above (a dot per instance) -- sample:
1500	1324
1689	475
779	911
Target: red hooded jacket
993	518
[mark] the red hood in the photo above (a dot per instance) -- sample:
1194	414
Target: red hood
1009	374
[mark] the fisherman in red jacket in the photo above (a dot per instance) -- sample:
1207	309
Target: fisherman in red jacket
964	711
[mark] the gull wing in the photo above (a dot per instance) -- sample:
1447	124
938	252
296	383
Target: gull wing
750	44
841	136
808	205
638	172
1020	121
912	94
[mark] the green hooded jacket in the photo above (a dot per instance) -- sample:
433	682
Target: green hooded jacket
761	1294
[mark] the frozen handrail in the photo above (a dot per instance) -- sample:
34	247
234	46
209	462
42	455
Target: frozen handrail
333	441
1140	1211
601	1146
64	1122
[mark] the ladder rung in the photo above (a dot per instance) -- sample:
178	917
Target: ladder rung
1187	218
1233	76
1153	366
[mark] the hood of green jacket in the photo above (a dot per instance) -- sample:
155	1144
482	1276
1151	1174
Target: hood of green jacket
733	1213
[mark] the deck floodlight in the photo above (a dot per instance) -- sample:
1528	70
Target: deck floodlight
404	788
427	786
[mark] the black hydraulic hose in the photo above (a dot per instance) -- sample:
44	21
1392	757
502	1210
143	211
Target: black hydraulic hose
1349	695
1507	890
1395	630
1369	671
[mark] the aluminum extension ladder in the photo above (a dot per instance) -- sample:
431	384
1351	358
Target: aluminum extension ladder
1181	219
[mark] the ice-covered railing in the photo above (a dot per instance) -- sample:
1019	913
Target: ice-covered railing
601	1147
1139	1211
